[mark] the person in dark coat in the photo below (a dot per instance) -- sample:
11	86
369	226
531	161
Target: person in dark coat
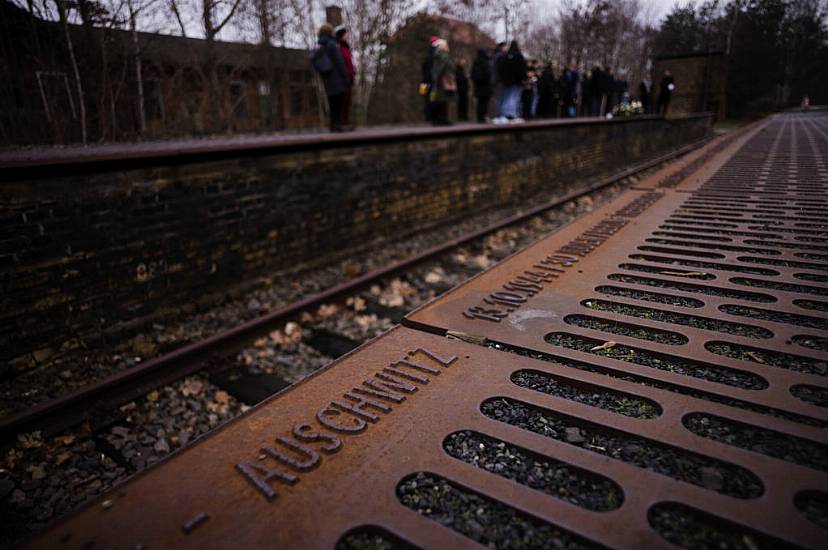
511	72
529	94
462	90
596	92
444	83
644	93
608	90
481	77
547	93
498	89
569	91
665	91
335	77
426	82
350	70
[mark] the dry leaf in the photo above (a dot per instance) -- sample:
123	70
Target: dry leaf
152	396
65	439
260	343
191	386
433	277
30	441
356	303
605	345
62	457
470	338
755	357
222	396
326	310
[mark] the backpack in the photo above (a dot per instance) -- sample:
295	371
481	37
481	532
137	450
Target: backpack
321	61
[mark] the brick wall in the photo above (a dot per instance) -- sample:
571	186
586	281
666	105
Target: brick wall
83	255
692	73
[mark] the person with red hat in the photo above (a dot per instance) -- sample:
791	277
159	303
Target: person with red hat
342	38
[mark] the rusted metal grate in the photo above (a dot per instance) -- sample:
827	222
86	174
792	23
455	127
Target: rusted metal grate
653	374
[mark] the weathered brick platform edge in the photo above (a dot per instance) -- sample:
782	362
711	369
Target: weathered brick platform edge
83	251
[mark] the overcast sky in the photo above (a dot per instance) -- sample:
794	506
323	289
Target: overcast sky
659	8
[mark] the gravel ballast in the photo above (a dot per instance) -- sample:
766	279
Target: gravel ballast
696	530
768	357
814	506
697	289
371	538
665	337
484	520
678	464
549	476
775	316
759	440
652	383
587	394
643	295
659	361
693	321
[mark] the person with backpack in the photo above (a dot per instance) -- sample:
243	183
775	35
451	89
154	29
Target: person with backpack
327	61
481	77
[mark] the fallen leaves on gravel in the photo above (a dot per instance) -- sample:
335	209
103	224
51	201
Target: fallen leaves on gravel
31	440
605	345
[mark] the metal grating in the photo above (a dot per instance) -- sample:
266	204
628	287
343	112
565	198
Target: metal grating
653	374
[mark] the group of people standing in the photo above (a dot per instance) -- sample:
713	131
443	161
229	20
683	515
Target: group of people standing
518	89
333	61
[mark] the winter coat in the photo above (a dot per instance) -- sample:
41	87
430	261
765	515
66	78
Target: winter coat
481	75
336	80
428	64
569	86
547	92
441	65
511	70
462	81
347	58
664	88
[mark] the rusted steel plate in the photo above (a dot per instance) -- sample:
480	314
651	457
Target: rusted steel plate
715	291
356	450
696	167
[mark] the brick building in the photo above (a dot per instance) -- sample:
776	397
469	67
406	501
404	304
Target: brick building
701	82
257	88
395	99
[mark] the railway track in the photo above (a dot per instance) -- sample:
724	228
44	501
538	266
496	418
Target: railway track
651	375
334	322
105	394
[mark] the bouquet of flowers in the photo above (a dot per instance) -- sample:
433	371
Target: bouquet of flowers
628	108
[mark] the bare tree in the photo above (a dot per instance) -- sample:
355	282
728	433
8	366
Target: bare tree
64	22
370	23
